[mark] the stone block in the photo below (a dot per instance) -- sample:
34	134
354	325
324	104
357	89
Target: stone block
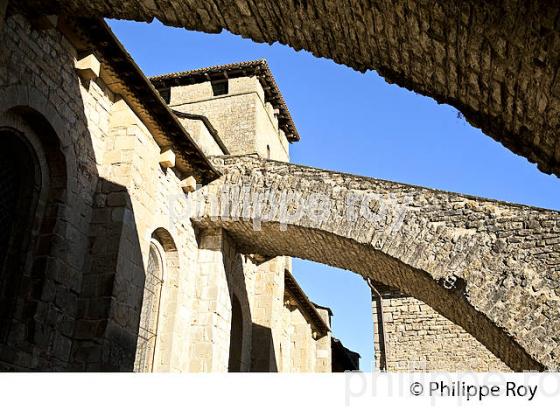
88	67
167	158
188	184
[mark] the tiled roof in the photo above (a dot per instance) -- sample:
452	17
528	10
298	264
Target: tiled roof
128	80
258	68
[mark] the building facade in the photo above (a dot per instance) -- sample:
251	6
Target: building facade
100	272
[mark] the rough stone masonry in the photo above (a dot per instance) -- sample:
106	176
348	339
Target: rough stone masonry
491	267
94	276
495	61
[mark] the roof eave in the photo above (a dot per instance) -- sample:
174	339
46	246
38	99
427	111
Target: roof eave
258	68
142	97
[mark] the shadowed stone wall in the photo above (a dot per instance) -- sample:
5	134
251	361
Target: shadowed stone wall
495	61
104	198
42	99
490	267
81	295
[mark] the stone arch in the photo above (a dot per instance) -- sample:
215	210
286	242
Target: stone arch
493	63
28	99
159	304
41	245
150	312
483	264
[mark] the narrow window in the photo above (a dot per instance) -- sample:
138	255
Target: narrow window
268	151
165	94
236	336
147	333
220	87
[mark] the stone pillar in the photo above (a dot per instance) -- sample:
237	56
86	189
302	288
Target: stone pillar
112	289
267	315
211	323
379	337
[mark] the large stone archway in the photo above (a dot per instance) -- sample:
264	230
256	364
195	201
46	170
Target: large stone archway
489	266
495	61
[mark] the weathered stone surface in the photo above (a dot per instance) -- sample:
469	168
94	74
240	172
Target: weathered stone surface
488	266
105	202
411	336
497	62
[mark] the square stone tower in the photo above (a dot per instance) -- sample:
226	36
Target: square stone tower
237	109
241	102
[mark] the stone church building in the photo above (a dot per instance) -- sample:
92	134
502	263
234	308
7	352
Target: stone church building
96	272
99	271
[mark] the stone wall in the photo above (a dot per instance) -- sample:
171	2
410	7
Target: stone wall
411	336
115	197
104	198
245	122
202	136
323	348
301	348
234	115
42	97
302	352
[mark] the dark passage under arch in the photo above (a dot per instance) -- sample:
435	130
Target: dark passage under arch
236	336
20	183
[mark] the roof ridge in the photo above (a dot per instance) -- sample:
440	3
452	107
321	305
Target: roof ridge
211	67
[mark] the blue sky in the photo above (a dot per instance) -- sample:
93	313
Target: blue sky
355	123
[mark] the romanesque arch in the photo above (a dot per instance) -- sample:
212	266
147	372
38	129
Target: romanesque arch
489	266
494	61
31	148
150	312
159	302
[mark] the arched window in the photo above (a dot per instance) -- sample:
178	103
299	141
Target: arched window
20	185
268	152
147	333
236	336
